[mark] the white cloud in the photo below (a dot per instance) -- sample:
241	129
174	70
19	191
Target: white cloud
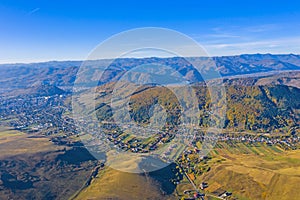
33	11
279	45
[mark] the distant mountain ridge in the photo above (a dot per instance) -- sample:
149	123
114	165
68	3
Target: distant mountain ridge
63	73
39	90
288	78
255	63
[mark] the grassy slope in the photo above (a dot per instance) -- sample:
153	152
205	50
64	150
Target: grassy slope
35	168
114	184
13	142
266	174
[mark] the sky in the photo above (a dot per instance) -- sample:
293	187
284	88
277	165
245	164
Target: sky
41	30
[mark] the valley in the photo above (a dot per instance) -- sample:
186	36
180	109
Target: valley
43	154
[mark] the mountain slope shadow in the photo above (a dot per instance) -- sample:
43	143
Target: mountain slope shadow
167	177
76	156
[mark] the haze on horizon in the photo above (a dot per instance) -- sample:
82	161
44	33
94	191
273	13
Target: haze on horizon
38	31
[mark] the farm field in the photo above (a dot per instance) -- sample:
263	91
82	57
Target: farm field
253	172
249	171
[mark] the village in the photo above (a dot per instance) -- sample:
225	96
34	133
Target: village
49	116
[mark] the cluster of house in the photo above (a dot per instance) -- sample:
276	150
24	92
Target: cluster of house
287	140
37	114
46	115
129	141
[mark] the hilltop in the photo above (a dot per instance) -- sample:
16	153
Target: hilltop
38	90
263	108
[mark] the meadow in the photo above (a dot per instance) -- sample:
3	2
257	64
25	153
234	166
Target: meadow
255	171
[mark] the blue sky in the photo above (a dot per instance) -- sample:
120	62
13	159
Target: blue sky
32	31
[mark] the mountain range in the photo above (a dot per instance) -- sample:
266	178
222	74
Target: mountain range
63	73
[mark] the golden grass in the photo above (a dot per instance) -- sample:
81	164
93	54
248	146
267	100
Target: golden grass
269	175
13	142
214	186
6	133
293	171
114	184
258	175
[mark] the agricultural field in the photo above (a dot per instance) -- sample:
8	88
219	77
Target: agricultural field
248	171
255	171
